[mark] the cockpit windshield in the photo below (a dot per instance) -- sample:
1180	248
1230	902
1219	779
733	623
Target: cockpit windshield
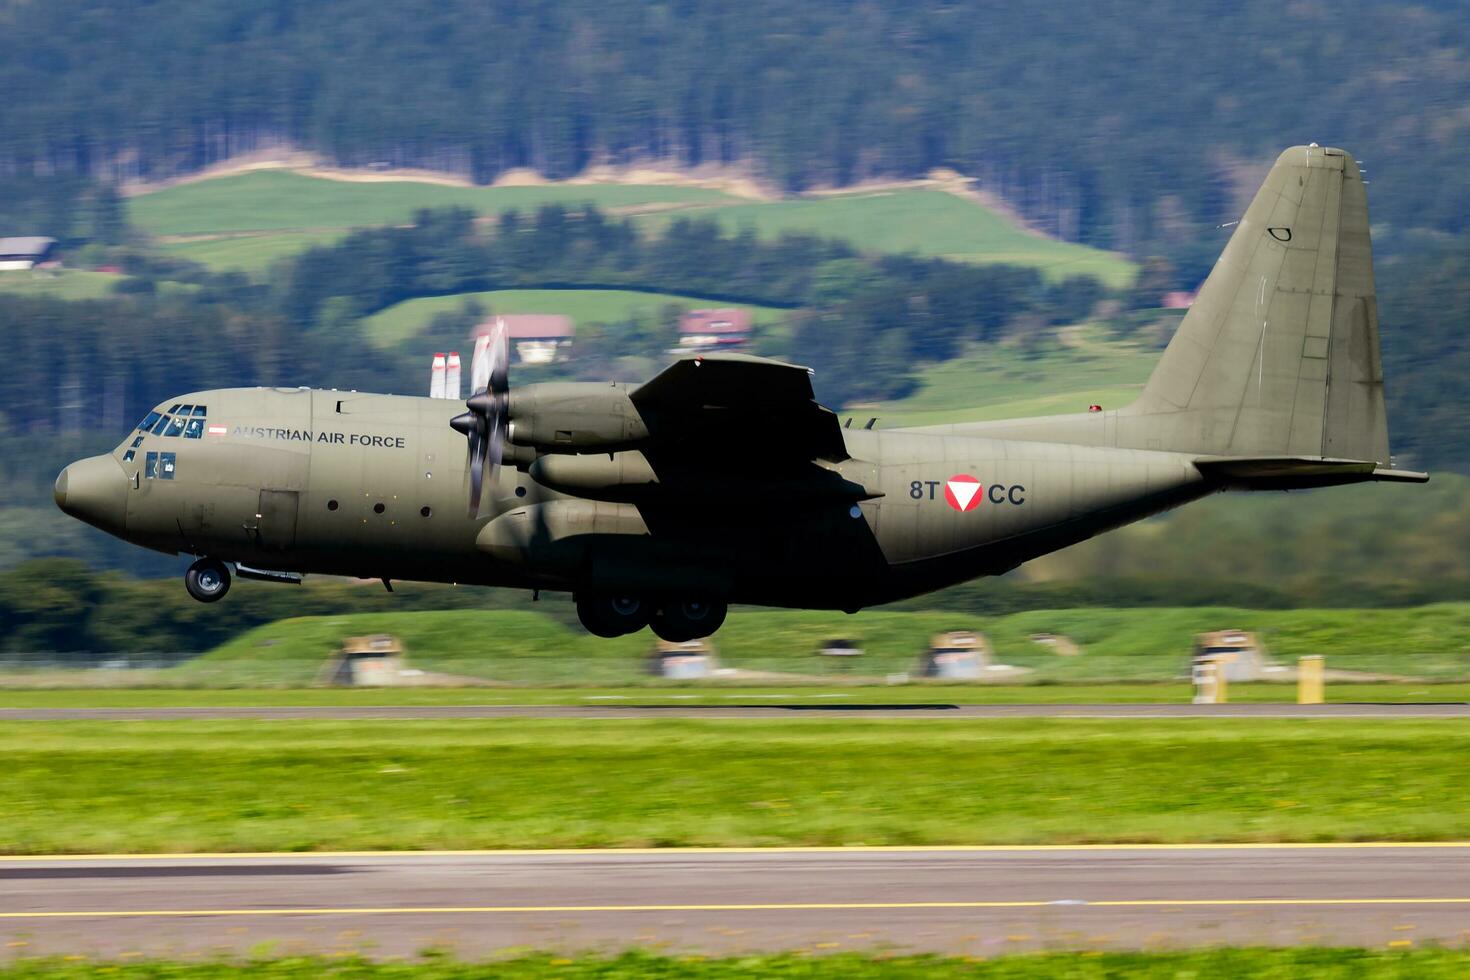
180	420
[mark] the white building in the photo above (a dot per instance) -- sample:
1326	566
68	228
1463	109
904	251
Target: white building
19	254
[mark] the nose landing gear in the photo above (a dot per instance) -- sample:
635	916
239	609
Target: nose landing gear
207	580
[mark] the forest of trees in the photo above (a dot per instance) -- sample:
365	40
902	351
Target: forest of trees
1097	128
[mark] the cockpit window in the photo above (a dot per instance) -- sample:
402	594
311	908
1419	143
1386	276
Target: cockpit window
160	425
173	410
175	426
159	466
194	428
148	422
200	411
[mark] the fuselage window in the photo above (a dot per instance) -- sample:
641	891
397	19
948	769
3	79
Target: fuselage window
128	456
136	443
148	422
150	466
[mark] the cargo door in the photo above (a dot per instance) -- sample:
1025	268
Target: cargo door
276	519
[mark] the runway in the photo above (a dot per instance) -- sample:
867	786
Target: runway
675	709
978	901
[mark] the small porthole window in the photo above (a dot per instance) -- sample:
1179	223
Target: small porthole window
378	508
520	491
332	505
426	511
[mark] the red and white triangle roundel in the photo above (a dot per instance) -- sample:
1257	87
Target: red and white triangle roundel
962	492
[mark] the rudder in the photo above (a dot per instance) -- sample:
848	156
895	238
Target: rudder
1279	354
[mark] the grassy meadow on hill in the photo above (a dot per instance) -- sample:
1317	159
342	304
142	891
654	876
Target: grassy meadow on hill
402	320
1083	366
248	220
923	221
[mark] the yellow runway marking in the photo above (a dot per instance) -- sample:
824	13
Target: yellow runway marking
687	851
732	907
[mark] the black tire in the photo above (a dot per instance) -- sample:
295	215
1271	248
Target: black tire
207	580
610	616
689	619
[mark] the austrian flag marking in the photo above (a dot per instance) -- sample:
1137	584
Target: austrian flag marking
218	430
962	492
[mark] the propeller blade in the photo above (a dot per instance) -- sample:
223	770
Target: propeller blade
484	425
496	438
498	358
480	365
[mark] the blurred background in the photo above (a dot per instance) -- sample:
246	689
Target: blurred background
951	210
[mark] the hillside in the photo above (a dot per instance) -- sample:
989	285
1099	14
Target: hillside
249	220
402	321
1124	126
1082	367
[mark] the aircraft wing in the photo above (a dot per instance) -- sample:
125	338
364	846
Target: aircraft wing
737	404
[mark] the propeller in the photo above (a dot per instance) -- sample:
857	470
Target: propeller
484	425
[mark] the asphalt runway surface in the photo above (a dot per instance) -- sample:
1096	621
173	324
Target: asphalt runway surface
979	901
793	710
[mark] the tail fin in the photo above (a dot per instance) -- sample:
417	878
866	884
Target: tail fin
1279	354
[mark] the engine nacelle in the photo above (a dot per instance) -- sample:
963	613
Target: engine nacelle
575	417
624	476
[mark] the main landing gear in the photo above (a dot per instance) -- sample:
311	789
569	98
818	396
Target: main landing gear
676	622
207	580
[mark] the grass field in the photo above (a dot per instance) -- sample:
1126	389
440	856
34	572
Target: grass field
1431	642
248	252
74	786
995	381
278	200
287	212
68	284
926	222
403	320
1212	964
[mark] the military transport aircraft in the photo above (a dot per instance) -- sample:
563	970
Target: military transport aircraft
722	480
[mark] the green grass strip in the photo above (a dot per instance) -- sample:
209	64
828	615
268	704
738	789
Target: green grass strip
1423	964
187	786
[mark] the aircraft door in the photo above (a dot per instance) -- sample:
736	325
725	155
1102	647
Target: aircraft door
276	519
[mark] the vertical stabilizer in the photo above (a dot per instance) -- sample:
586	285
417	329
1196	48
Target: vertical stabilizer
1279	354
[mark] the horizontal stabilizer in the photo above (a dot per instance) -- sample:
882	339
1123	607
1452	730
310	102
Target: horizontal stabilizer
1297	472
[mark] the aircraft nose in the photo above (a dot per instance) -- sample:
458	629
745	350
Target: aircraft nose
94	490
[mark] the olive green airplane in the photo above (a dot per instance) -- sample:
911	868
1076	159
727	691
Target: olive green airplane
722	480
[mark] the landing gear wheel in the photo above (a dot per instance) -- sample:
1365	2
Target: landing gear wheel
609	616
689	619
207	580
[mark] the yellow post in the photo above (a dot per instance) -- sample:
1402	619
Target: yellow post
1222	689
1309	680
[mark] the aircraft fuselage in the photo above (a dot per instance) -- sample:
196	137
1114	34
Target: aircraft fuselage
347	483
